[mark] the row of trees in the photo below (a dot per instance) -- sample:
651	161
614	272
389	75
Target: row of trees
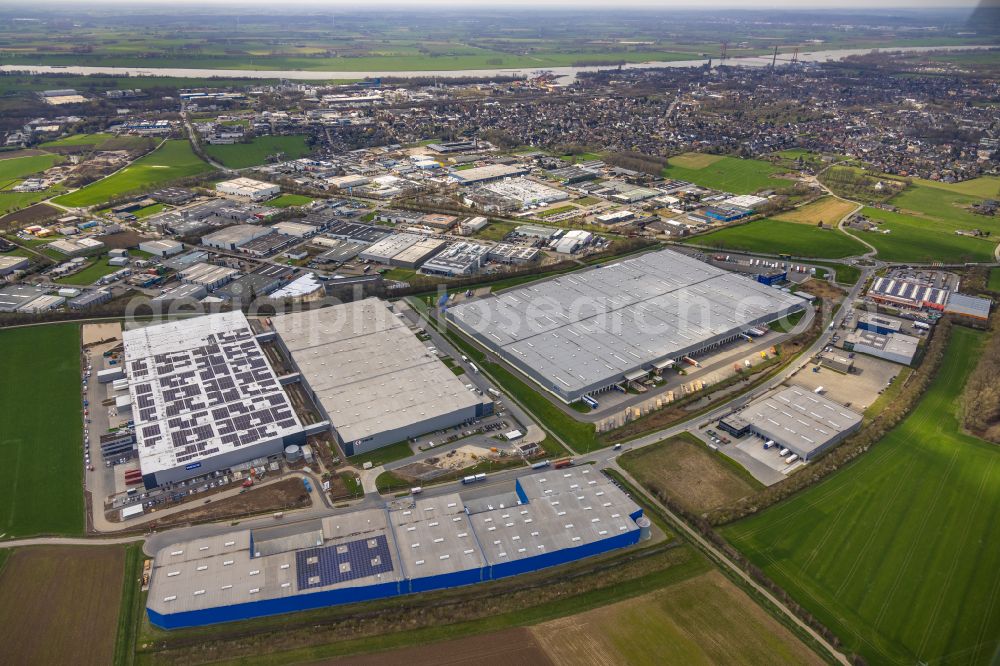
913	388
981	400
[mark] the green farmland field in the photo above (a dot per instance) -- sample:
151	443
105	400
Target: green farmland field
729	174
776	237
255	153
898	553
923	230
41	488
287	200
171	161
19	167
919	239
994	283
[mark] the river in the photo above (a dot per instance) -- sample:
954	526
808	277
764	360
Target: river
565	74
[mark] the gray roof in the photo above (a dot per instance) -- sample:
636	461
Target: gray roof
419	538
588	329
368	370
18	295
801	420
970	306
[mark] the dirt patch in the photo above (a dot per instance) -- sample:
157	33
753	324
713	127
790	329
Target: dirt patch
97	333
28	216
123	240
282	495
502	648
688	473
705	619
60	605
14	154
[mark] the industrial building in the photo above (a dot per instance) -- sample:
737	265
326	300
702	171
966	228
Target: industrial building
209	276
508	253
880	324
416	254
162	248
487	174
11	263
968	306
361	233
89	299
371	377
16	296
895	347
457	259
801	421
76	247
247	188
525	192
43	304
405	250
234	237
204	398
903	293
594	329
411	545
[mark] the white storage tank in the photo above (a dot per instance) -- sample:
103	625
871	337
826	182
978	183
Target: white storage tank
293	453
645	528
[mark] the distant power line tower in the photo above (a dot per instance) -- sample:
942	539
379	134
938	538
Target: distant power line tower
722	56
795	55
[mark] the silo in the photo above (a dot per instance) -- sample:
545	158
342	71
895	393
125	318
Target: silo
644	528
293	453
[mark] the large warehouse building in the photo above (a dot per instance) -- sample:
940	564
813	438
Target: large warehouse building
591	330
802	421
433	543
204	398
372	378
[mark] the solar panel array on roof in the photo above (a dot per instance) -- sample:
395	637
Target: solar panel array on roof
908	293
200	388
329	565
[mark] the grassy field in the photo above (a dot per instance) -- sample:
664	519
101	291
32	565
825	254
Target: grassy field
495	231
828	210
171	161
91	274
923	230
919	239
775	237
994	283
684	469
703	620
898	553
386	454
729	174
130	607
19	167
41	489
255	153
286	200
60	605
78	140
152	209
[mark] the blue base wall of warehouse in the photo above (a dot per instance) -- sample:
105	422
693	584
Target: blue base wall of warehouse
299	602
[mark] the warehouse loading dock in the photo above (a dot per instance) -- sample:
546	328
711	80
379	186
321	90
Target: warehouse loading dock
803	422
585	331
